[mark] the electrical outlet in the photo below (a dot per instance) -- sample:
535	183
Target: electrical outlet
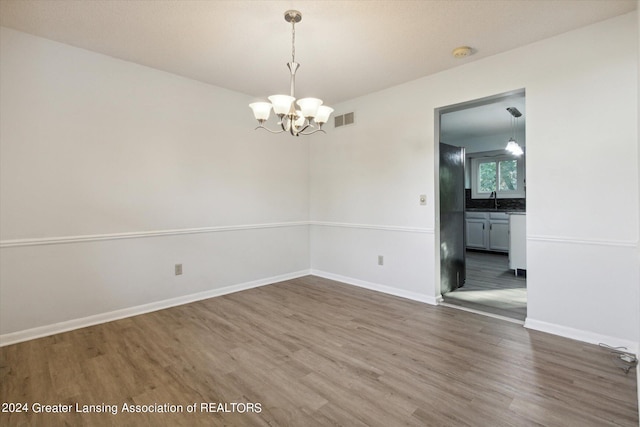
380	260
629	358
178	269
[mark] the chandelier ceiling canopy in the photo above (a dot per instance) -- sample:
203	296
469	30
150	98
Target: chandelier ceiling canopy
304	119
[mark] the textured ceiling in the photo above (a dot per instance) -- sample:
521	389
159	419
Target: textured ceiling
346	48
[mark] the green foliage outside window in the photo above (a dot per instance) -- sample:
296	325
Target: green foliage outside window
495	172
504	172
487	177
508	175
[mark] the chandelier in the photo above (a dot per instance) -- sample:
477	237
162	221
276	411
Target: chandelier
309	115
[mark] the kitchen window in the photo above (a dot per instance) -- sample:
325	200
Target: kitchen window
503	174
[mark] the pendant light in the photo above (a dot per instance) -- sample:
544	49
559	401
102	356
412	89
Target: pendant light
512	145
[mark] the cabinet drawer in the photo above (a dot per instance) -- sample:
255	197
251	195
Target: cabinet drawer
499	215
476	215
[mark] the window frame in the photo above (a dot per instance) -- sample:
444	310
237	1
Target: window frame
496	157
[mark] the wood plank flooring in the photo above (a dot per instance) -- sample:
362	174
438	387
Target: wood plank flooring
314	352
491	287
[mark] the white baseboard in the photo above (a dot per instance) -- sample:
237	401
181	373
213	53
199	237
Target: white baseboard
581	335
377	287
69	325
56	328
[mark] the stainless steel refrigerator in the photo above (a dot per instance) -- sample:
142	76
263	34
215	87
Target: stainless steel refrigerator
452	232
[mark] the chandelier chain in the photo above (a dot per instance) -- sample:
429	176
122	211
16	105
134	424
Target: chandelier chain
293	40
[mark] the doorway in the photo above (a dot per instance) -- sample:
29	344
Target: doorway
481	220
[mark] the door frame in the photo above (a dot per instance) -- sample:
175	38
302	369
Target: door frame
437	113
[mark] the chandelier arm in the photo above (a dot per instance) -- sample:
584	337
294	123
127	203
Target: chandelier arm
298	131
268	130
285	123
313	131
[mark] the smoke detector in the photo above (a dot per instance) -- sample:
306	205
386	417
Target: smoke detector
462	52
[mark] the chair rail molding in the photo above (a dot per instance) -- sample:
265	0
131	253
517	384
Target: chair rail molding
143	234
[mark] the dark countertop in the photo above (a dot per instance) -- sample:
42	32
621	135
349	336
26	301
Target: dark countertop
494	210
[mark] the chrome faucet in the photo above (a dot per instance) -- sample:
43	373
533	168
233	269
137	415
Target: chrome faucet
494	196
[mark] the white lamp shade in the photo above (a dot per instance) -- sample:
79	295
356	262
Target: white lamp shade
514	148
517	151
322	116
281	103
309	106
261	110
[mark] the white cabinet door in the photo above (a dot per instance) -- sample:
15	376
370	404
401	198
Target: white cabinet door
499	236
476	233
518	251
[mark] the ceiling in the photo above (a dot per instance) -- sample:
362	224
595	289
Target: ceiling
346	48
482	119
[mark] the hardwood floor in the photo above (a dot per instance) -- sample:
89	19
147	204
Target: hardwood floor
314	352
491	287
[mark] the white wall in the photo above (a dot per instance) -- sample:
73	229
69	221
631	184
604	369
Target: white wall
638	149
111	173
582	180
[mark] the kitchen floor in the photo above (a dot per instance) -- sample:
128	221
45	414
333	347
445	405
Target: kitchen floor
491	287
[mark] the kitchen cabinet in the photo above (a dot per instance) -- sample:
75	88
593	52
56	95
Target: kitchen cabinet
487	231
499	232
476	235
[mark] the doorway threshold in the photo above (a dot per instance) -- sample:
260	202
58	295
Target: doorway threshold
482	313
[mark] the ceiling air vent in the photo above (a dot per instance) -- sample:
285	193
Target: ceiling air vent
344	119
